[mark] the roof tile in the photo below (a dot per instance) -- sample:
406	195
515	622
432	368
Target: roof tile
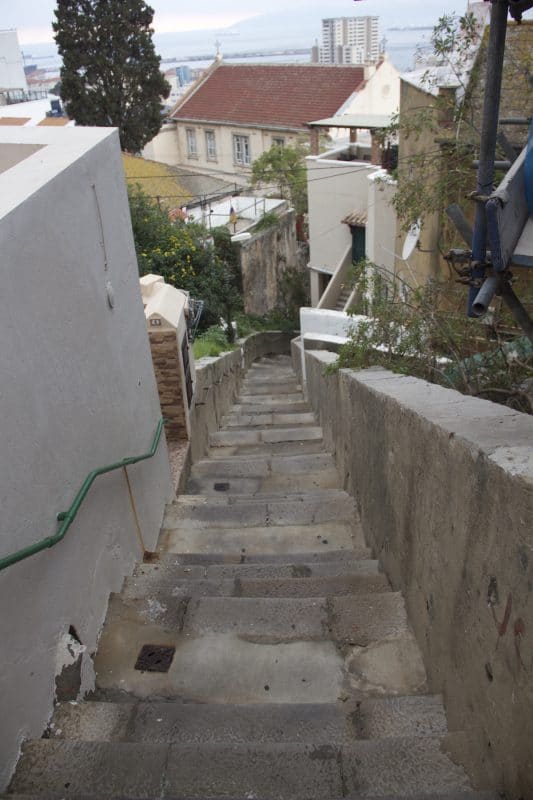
273	95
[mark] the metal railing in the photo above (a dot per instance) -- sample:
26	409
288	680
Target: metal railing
66	518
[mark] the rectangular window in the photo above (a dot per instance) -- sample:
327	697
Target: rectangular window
278	142
192	149
241	150
211	145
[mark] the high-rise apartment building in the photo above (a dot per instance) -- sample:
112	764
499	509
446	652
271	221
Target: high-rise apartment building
349	40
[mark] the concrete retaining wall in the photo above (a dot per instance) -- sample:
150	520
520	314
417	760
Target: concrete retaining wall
218	381
444	484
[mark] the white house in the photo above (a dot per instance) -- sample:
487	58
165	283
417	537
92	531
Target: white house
235	112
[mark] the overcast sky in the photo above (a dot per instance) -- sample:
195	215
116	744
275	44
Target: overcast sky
32	18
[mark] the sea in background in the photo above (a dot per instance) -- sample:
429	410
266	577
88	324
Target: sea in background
401	46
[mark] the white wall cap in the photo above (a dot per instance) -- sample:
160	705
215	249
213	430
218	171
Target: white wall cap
166	303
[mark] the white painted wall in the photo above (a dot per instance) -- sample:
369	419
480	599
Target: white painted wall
11	64
335	188
78	392
381	240
381	92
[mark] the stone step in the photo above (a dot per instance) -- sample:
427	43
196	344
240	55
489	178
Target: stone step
249	650
356	620
273	376
245	398
168	561
266	419
169	571
256	467
190	723
282	482
281	407
217	667
362	583
220	510
240	542
249	436
194	724
454	795
269	387
399	767
267	450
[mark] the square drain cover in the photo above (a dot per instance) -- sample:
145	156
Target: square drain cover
154	658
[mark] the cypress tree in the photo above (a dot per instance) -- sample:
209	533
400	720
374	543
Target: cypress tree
110	74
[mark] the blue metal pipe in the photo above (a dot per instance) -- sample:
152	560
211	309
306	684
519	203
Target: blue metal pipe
489	132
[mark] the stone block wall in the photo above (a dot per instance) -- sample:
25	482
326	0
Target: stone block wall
444	484
263	259
168	373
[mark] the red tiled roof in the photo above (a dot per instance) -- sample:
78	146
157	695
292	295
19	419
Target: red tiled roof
273	95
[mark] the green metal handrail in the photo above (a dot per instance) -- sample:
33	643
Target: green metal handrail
67	517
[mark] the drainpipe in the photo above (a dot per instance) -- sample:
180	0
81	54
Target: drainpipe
487	150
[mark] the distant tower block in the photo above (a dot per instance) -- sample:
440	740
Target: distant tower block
350	40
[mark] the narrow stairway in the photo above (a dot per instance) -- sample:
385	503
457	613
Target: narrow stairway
344	296
261	653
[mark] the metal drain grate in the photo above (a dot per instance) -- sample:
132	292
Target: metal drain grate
221	487
154	658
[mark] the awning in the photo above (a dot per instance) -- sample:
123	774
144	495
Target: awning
356	218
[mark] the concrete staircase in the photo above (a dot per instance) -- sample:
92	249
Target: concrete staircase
344	296
290	670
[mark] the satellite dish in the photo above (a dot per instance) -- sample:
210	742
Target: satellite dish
411	240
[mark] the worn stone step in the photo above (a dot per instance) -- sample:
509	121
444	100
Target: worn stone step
454	795
341	567
314	723
216	667
356	620
249	436
168	561
191	723
262	407
257	467
282	482
273	381
269	387
245	398
398	767
223	511
267	450
361	583
266	419
411	715
241	542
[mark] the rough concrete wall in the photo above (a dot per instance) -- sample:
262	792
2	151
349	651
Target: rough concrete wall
78	392
218	382
166	360
444	484
263	259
